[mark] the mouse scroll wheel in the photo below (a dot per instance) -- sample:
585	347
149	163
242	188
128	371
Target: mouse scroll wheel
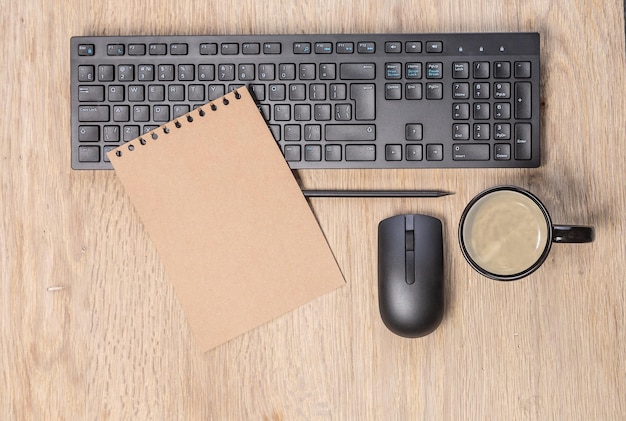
409	256
409	237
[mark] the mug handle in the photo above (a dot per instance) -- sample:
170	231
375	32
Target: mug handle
572	234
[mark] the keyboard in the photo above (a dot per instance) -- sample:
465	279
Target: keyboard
330	101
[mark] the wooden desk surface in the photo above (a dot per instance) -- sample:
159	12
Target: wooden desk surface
90	328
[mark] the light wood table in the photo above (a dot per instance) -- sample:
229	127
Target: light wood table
89	325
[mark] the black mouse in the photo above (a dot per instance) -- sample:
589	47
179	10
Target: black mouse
410	274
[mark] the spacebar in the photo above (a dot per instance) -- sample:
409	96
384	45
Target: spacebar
350	132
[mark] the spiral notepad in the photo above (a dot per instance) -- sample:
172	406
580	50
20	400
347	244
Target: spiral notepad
237	238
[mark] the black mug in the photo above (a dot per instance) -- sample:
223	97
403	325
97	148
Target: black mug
506	233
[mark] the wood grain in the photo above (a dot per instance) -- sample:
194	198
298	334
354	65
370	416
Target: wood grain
89	325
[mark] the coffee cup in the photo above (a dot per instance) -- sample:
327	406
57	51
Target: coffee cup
506	233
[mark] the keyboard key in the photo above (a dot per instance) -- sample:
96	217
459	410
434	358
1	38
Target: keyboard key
434	91
460	90
157	49
121	113
470	152
312	132
364	96
366	47
277	92
93	113
481	90
434	47
267	72
145	73
272	48
481	111
245	72
502	70
130	132
481	131
413	131
292	132
414	152
522	69
434	152
282	112
323	47
106	73
414	70
502	131
481	70
161	113
251	48
115	49
292	152
126	73
89	133
413	91
86	73
322	112
393	47
88	153
460	70
360	153
434	70
287	71
141	113
337	91
502	90
345	47
186	72
91	93
136	93
313	153
502	152
461	111
343	112
460	131
208	49
393	91
523	108
136	49
332	152
229	48
357	71
179	49
350	132
307	71
502	111
393	152
523	141
226	72
328	71
111	133
108	149
86	50
393	71
302	48
413	47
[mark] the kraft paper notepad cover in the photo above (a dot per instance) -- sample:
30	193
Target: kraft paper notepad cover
237	238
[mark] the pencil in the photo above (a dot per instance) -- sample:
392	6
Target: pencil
375	193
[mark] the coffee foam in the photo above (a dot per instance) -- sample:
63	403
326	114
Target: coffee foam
505	232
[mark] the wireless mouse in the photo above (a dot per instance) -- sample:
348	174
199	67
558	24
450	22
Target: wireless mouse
410	274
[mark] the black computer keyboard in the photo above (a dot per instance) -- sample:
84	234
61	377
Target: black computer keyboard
330	101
